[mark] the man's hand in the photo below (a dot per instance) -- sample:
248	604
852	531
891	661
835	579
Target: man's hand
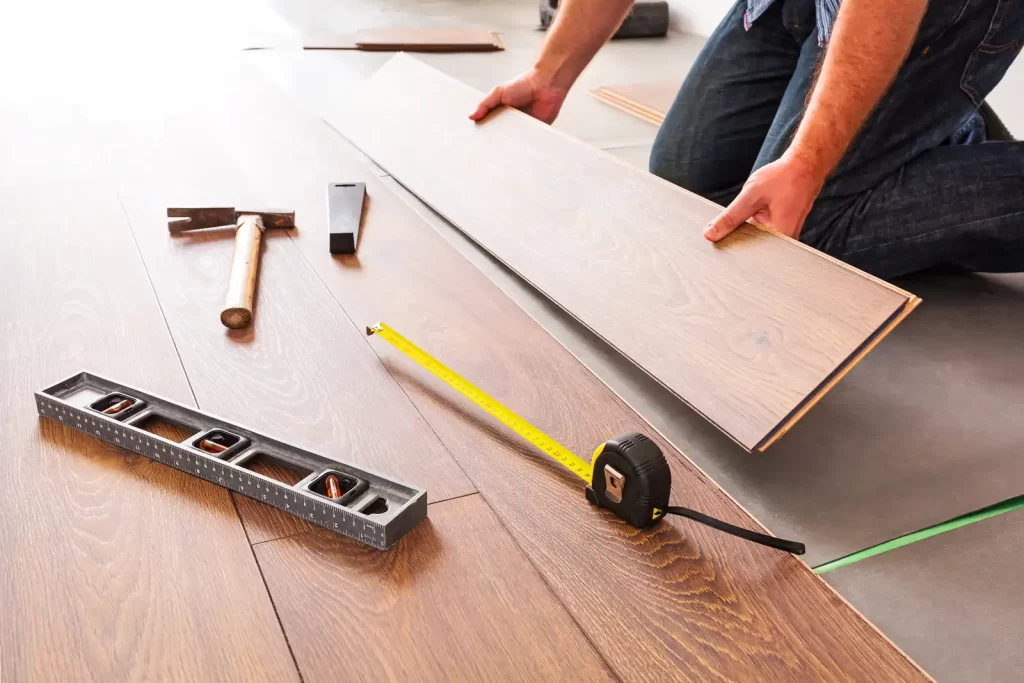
529	93
869	43
578	32
778	195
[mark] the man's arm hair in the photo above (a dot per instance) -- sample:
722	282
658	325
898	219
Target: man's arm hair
869	43
580	28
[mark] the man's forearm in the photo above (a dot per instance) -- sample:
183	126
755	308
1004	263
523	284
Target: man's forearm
580	29
869	43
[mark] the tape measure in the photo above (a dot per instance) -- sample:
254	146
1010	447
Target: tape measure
627	475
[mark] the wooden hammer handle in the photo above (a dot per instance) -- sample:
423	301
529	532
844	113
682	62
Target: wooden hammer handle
237	311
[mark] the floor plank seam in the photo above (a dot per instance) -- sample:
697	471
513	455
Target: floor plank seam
270	594
159	305
458	497
308	531
547	584
361	331
281	538
501	522
234	506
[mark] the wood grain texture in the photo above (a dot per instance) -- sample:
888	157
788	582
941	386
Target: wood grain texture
455	600
649	101
681	602
301	371
955	601
112	567
746	331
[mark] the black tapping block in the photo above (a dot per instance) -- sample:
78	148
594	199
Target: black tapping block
344	214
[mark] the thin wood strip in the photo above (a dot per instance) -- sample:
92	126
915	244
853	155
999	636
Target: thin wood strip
628	108
744	331
612	97
653	97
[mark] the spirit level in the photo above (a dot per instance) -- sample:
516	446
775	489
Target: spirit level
369	507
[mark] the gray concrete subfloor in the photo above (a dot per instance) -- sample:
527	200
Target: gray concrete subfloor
954	603
923	430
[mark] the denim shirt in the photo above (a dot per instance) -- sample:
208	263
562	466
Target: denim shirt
826	10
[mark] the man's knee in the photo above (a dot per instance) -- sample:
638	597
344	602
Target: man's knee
702	177
665	163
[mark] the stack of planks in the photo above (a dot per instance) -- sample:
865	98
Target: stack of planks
749	332
648	101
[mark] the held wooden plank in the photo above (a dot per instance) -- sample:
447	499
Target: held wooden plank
455	600
301	370
749	332
681	602
113	567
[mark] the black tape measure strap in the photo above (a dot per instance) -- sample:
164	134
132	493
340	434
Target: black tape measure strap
764	539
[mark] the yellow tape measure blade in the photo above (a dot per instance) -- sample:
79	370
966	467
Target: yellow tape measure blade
486	402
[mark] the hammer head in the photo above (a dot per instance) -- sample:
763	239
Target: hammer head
183	220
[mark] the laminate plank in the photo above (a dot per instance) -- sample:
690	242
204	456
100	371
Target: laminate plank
749	332
456	600
431	39
301	371
681	602
955	602
649	101
114	568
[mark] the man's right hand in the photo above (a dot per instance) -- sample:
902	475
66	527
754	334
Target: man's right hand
530	93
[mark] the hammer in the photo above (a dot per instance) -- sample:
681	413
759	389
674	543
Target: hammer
249	227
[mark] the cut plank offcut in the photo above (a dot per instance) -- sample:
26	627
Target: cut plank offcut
749	332
458	39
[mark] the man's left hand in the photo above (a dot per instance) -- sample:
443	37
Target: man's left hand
778	195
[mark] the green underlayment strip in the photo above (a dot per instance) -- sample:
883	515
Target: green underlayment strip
941	528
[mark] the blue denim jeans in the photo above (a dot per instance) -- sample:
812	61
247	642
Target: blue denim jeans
909	194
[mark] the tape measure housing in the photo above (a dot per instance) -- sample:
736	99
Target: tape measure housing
632	479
